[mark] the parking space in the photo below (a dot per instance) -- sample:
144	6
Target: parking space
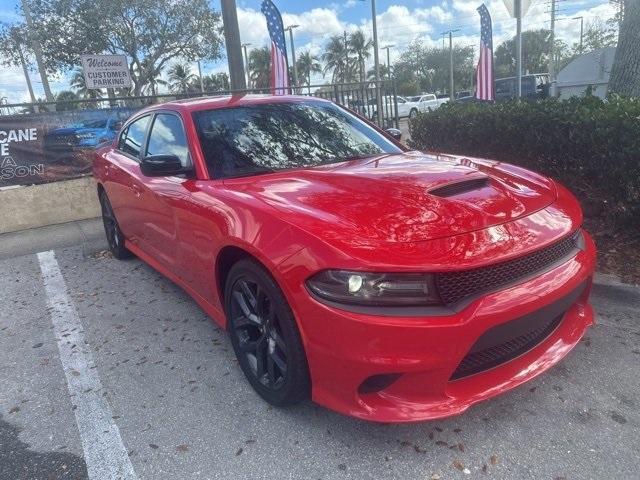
182	409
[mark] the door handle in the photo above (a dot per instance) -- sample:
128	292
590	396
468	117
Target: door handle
137	190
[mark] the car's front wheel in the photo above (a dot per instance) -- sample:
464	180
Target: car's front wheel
264	335
115	237
413	113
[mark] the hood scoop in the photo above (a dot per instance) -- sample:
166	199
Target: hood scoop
458	188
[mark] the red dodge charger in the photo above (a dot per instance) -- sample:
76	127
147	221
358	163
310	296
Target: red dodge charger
384	283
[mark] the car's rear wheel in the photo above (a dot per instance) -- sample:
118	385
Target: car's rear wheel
413	113
264	335
115	237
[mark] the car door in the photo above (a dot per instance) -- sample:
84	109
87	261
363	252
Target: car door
122	177
160	194
403	107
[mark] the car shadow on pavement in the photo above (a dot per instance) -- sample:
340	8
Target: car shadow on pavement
18	462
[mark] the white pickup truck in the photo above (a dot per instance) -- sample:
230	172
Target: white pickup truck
424	103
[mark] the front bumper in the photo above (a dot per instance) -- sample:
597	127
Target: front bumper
344	348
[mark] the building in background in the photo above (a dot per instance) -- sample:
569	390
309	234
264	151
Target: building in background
588	70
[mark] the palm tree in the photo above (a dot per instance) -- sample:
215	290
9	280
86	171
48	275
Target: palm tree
384	73
336	58
360	46
180	77
260	67
150	76
215	82
79	85
308	64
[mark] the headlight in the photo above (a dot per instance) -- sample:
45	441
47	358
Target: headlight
375	289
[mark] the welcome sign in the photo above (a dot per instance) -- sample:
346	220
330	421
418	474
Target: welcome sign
106	71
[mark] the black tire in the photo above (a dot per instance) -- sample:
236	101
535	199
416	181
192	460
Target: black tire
265	336
413	113
115	237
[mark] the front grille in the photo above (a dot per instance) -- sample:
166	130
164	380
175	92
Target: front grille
456	286
480	360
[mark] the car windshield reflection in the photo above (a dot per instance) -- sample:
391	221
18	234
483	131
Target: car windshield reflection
259	139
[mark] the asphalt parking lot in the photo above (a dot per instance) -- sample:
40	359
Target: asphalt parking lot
157	394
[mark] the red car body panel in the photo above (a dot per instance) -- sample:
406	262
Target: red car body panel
368	215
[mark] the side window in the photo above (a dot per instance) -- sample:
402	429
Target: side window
167	137
133	136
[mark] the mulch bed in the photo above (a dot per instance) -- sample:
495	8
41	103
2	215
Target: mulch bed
618	249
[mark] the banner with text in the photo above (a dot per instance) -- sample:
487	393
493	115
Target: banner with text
53	146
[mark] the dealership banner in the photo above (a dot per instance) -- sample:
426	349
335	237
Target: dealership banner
53	146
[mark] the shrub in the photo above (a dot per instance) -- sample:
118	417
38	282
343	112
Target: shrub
590	145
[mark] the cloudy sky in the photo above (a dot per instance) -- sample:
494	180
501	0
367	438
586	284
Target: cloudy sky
399	23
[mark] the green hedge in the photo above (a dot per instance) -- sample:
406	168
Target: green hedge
590	145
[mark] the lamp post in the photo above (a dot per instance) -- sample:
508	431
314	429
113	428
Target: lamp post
293	54
376	61
451	86
388	59
232	42
200	77
518	12
246	63
581	29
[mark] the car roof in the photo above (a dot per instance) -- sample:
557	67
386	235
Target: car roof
188	105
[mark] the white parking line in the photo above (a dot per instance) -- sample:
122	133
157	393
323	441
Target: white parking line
104	452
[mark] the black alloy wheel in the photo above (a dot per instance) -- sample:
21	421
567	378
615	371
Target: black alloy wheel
264	335
115	238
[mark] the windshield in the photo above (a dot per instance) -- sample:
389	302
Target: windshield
258	139
102	123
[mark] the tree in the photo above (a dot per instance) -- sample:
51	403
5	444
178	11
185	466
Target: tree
404	74
625	72
536	45
150	31
337	60
384	73
216	82
79	85
260	67
427	69
66	96
308	64
598	34
180	78
360	47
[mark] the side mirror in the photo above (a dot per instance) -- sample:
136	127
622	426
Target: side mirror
394	133
162	166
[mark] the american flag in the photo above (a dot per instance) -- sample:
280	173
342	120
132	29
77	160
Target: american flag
279	67
484	70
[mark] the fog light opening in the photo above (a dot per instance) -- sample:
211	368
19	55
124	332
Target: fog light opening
377	383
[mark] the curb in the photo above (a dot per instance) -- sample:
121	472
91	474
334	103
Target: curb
610	280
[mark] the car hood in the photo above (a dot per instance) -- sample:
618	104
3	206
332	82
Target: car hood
406	197
74	130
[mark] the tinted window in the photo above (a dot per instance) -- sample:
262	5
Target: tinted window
262	138
167	137
505	87
133	136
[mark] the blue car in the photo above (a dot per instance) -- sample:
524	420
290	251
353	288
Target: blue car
88	134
